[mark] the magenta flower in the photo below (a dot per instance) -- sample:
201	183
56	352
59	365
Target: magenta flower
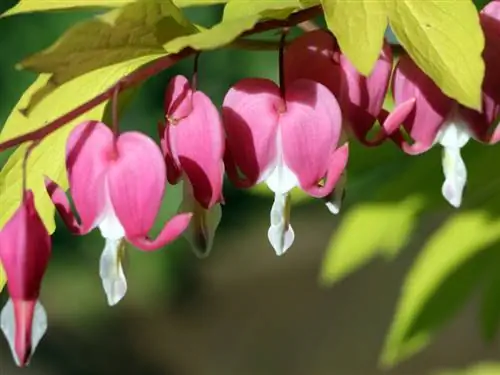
316	56
193	146
434	118
25	249
284	141
117	185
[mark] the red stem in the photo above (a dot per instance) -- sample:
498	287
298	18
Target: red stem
148	71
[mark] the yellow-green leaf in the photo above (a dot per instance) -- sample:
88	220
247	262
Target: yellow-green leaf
487	368
3	278
48	157
29	6
359	26
445	40
276	9
219	35
135	30
460	240
385	228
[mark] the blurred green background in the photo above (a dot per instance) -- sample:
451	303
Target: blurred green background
244	311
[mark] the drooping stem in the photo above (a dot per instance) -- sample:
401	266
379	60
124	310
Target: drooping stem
114	109
281	62
194	78
29	150
146	72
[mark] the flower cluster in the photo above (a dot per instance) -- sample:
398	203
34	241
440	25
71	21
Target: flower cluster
288	135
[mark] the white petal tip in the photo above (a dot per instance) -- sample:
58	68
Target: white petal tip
281	239
333	207
115	290
38	329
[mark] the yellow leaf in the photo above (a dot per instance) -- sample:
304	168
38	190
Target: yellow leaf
458	241
359	26
486	368
28	6
277	9
3	278
219	35
48	157
445	40
137	29
385	229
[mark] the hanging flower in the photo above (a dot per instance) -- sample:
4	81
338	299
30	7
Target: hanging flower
25	249
285	139
435	118
117	185
193	146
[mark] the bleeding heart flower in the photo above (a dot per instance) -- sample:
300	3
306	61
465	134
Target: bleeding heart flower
117	185
430	117
25	249
193	146
285	141
316	56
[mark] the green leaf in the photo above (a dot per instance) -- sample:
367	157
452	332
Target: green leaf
359	27
490	304
385	228
492	368
137	29
219	35
276	9
449	266
48	157
29	6
446	41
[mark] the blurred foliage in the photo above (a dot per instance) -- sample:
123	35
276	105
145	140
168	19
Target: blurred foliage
480	369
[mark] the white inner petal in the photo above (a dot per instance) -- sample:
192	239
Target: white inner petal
280	178
280	233
8	326
111	272
110	267
334	200
454	135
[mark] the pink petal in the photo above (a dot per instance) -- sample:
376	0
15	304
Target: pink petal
431	106
24	311
178	96
63	207
172	230
314	56
362	97
336	166
310	130
174	171
88	154
25	249
250	116
197	141
136	182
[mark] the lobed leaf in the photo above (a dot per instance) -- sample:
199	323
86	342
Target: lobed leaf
135	30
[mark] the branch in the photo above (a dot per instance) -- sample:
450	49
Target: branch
143	74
